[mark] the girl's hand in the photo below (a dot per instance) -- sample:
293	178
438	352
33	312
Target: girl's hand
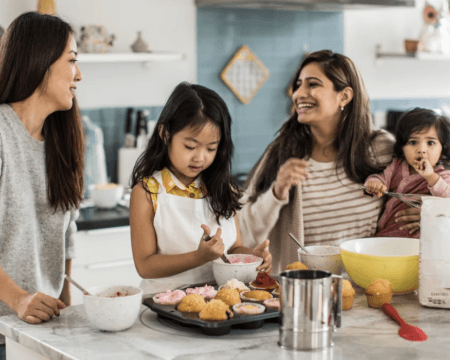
262	251
424	168
376	188
291	173
38	307
211	249
411	218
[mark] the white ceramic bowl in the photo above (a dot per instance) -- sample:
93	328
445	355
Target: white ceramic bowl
244	272
112	313
322	257
106	196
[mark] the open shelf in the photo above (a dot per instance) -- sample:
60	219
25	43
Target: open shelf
417	55
129	57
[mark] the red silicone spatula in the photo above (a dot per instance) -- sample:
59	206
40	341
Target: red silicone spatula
406	331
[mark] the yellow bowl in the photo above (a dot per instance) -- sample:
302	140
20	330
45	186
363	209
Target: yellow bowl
392	259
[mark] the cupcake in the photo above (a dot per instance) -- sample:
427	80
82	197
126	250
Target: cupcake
272	303
208	292
263	281
192	303
215	310
169	297
228	296
348	294
378	293
296	266
235	284
249	308
256	295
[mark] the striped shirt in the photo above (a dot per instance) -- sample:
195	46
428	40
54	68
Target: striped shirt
335	208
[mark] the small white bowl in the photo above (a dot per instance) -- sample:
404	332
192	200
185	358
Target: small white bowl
112	313
322	257
106	195
241	271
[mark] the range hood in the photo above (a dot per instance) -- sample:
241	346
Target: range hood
307	5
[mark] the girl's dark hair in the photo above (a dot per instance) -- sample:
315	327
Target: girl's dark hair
420	119
192	106
30	45
354	135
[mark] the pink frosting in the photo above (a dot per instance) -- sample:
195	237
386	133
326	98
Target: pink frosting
243	259
205	291
171	296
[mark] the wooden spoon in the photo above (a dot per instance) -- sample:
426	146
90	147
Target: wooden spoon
406	331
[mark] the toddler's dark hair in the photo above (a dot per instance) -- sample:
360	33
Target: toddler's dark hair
417	120
192	106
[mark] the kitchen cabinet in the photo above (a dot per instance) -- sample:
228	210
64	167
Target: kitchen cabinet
103	257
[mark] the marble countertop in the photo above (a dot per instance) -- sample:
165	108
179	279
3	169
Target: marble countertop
365	334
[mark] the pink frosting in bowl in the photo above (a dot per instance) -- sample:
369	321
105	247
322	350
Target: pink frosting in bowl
243	259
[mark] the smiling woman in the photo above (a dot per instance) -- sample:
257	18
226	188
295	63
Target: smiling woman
42	160
306	182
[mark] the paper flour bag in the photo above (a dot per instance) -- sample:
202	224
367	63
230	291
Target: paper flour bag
434	257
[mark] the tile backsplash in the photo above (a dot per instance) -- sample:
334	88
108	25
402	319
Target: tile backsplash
112	123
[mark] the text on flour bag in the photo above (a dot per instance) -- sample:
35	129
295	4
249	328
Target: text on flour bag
434	257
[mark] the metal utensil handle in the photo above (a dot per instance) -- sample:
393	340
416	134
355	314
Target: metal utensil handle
337	306
298	243
224	258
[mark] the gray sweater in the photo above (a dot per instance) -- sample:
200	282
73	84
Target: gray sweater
35	241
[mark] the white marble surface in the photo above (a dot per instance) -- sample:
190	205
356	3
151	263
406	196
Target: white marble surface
366	334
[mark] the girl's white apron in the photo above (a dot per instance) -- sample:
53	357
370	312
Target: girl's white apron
177	225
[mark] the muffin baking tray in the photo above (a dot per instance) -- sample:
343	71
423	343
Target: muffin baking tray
241	321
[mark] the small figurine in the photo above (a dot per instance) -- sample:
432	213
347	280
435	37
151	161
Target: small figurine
435	34
94	39
139	45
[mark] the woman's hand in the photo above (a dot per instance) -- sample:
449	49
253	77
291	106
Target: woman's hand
38	307
411	218
375	188
291	173
211	249
262	251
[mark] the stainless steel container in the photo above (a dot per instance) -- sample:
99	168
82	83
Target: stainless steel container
311	308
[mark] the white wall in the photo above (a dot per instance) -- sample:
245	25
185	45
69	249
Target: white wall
393	79
166	25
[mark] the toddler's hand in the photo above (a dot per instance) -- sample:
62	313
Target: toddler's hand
424	168
262	251
211	249
375	188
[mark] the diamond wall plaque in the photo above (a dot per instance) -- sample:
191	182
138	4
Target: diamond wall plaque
244	74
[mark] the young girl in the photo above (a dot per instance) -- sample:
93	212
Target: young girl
422	147
182	191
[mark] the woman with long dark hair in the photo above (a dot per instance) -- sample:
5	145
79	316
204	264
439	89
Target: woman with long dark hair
41	165
183	191
308	180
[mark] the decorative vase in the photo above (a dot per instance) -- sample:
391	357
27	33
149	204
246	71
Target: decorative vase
46	7
139	45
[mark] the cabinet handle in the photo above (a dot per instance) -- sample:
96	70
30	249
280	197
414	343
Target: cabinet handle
109	264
